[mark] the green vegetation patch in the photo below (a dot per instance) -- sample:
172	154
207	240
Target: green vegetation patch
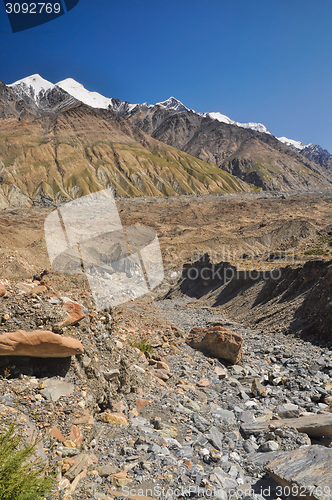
316	251
142	345
21	476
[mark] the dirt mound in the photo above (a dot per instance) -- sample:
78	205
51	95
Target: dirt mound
289	234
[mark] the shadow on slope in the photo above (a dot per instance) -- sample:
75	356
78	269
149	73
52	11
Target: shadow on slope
294	299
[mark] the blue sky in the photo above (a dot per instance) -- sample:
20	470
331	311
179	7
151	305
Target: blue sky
267	61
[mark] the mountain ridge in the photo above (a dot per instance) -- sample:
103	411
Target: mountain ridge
183	151
126	109
51	158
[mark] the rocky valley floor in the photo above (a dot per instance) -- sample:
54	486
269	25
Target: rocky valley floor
141	413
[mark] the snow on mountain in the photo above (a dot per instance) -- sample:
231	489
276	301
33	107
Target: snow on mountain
173	103
33	86
93	99
178	106
36	89
220	118
259	127
293	144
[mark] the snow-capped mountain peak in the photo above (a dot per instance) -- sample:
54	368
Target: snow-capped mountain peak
45	96
33	86
77	90
221	118
259	127
293	144
173	103
36	82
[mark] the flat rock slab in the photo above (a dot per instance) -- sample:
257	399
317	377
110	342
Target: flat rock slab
315	425
56	388
306	471
39	344
262	458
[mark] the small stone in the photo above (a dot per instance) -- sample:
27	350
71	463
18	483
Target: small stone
225	414
55	389
119	407
69	443
80	463
67	451
76	435
237	370
201	423
2	290
156	423
64	484
86	361
113	418
56	433
120	479
269	446
204	382
161	374
75	313
220	372
215	455
86	419
249	446
111	374
256	387
141	402
216	438
163	366
107	470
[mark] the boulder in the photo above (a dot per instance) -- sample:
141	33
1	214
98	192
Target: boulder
2	290
38	344
304	473
218	342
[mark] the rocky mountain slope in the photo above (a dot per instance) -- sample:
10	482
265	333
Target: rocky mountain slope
247	150
258	158
313	152
318	155
67	149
